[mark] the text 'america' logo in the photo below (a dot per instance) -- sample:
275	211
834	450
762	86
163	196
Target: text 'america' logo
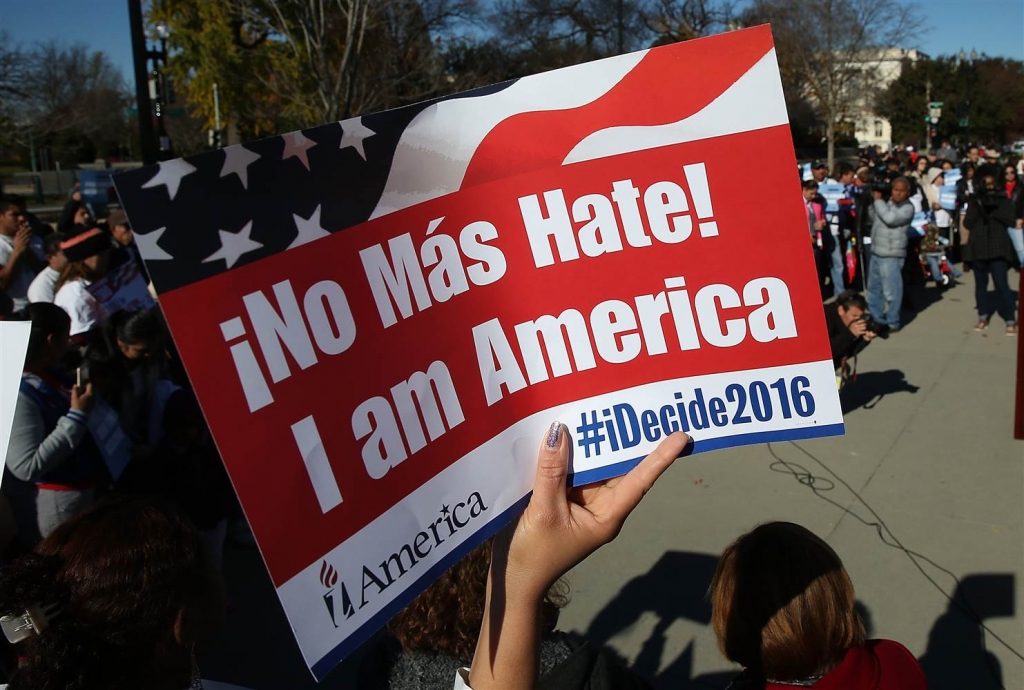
376	579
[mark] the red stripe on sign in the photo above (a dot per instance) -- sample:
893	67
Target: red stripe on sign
672	83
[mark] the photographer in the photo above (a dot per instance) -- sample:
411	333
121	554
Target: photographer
989	249
889	238
850	329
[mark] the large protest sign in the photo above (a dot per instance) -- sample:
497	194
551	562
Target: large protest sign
381	316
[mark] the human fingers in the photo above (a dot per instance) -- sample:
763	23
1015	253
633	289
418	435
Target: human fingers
624	496
552	466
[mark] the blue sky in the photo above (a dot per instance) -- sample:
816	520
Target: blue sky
995	27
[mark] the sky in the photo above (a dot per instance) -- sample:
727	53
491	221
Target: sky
993	27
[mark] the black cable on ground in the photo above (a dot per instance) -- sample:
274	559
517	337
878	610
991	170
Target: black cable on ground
820	485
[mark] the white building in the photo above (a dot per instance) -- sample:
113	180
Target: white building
870	128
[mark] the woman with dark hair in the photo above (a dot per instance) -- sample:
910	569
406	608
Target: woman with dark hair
123	598
124	362
75	212
51	450
782	603
87	250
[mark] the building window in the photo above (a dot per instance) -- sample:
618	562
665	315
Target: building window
878	129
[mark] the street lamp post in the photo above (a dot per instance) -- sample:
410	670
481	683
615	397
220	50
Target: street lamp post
962	60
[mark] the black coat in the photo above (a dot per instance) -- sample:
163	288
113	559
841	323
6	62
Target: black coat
843	343
988	220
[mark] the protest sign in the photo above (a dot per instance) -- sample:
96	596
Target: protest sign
124	288
951	177
947	197
14	337
381	316
113	443
96	186
832	193
919	222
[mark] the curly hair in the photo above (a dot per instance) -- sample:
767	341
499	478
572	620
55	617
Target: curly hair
121	571
446	618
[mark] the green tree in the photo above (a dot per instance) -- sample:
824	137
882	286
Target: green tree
986	96
286	64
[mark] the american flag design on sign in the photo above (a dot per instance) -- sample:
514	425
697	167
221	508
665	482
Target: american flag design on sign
199	216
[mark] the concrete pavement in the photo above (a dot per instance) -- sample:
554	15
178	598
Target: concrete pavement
928	463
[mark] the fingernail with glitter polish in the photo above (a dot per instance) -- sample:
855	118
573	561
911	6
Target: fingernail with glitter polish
554	439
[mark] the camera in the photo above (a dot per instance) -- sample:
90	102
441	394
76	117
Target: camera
879	329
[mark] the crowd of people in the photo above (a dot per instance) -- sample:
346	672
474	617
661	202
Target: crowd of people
84	367
904	218
112	571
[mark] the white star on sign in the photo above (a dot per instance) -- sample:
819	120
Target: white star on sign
352	134
170	175
149	248
237	160
296	144
233	245
309	229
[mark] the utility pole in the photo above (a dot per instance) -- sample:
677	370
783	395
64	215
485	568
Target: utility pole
147	134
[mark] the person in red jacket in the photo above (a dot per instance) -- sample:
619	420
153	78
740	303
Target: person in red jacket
782	603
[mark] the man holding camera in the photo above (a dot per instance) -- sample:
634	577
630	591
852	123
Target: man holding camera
850	329
889	237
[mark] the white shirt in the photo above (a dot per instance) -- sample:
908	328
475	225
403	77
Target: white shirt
43	288
81	306
17	286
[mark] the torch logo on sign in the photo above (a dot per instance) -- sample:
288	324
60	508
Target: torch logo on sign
329	579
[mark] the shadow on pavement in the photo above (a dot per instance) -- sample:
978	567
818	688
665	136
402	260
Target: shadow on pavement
917	298
956	656
673	589
871	386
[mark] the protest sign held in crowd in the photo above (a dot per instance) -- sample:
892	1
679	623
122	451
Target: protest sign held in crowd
371	358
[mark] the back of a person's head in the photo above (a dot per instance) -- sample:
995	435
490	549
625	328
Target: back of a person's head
128	577
783	605
446	618
48	322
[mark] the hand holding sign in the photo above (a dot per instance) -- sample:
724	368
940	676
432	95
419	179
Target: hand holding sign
558	530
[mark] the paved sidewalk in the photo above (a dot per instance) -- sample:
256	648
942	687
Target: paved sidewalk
929	450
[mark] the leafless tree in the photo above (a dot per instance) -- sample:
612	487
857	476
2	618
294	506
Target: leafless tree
832	49
681	20
326	43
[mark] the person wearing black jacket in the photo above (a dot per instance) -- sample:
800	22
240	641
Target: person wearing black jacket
989	248
848	332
